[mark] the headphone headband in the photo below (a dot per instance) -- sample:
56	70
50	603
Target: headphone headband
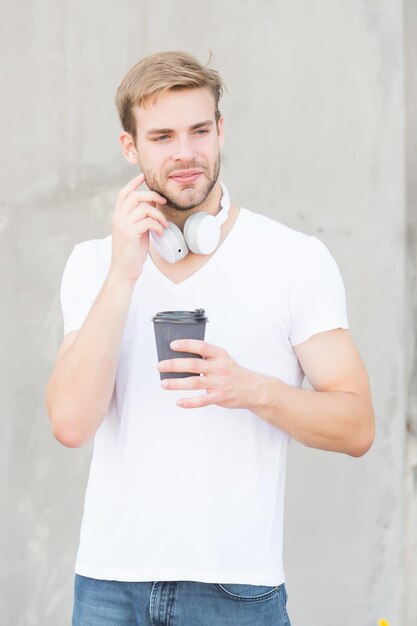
224	205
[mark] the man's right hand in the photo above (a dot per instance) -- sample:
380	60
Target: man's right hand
134	216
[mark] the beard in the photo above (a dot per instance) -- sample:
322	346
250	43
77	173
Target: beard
188	197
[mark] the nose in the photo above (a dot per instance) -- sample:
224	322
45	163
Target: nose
184	149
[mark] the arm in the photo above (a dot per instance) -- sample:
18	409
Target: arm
336	415
82	381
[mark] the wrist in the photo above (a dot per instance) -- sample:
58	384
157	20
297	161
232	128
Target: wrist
265	398
119	281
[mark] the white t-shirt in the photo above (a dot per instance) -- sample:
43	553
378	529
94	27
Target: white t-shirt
197	494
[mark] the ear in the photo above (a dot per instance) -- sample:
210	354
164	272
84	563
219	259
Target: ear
220	131
129	148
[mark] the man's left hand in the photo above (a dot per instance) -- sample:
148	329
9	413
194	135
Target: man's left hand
226	383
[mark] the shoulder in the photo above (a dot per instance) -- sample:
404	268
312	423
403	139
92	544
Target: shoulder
91	258
97	251
276	243
94	248
278	233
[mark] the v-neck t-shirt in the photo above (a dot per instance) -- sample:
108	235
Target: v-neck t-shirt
198	494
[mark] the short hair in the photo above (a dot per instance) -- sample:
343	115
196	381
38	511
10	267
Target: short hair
161	72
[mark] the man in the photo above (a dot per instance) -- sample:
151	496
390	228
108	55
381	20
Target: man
184	506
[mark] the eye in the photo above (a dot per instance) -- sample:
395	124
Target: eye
202	131
160	138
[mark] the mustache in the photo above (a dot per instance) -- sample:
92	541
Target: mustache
191	165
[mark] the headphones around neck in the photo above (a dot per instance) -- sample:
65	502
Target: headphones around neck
201	233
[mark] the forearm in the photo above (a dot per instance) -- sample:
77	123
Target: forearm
82	381
330	420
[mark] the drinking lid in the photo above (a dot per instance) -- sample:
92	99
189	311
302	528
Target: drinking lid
181	317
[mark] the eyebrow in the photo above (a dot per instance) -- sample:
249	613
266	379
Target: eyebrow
166	131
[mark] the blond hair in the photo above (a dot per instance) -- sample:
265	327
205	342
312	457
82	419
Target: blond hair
162	72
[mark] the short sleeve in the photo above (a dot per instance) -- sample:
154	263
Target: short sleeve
77	294
318	298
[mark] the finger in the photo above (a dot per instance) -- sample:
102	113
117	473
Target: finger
136	198
206	350
131	186
148	196
136	229
191	382
194	366
139	228
141	212
197	402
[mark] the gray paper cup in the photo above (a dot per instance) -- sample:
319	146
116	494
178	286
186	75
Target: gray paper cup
170	325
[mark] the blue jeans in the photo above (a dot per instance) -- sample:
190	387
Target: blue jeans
183	603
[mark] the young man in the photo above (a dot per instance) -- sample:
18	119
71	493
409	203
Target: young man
184	507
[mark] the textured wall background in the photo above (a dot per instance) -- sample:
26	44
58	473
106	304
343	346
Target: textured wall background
315	136
410	543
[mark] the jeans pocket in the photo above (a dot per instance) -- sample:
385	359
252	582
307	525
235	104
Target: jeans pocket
247	593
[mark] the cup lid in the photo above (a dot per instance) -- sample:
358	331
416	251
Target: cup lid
181	317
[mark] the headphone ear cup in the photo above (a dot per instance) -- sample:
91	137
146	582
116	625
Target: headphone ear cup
172	246
202	233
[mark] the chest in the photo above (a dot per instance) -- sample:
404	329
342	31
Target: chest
246	305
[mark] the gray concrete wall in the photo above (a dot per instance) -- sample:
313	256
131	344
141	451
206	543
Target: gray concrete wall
410	543
315	120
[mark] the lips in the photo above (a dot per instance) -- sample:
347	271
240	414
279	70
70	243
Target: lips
185	176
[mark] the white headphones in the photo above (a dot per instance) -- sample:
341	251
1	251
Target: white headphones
201	233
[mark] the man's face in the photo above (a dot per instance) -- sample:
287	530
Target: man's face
178	144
